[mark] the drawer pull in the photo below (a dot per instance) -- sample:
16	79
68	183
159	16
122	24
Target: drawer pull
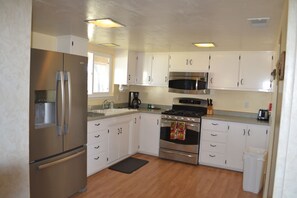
98	124
214	134
212	145
96	147
214	124
97	136
96	158
211	155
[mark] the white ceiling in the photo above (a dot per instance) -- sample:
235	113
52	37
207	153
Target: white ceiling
164	25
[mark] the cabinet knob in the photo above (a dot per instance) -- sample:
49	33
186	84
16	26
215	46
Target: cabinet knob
97	136
211	80
96	147
241	81
212	155
98	124
96	158
212	145
214	134
191	62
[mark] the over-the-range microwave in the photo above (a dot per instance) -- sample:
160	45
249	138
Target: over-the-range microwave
188	82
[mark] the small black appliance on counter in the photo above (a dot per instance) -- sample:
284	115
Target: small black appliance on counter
134	101
263	114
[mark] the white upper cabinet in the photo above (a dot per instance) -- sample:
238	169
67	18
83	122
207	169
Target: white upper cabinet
152	69
144	68
160	69
246	71
255	69
72	45
125	67
189	61
224	70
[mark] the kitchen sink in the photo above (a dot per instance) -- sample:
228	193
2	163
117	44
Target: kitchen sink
108	112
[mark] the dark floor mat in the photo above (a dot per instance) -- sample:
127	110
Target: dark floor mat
128	165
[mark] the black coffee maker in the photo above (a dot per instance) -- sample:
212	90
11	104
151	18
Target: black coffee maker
134	101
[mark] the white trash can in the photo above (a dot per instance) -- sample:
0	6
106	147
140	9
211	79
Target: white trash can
253	169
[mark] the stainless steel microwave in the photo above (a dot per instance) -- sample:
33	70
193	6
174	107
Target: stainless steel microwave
188	82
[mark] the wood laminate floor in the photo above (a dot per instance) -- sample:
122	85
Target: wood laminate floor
163	178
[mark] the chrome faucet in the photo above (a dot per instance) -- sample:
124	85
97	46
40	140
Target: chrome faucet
106	104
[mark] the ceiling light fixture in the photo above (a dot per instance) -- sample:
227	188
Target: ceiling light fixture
204	44
261	21
105	23
109	44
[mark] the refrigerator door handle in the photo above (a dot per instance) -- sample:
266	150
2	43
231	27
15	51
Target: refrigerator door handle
60	125
68	79
47	165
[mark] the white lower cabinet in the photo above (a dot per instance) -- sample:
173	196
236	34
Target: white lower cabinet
149	134
118	139
97	146
240	137
223	143
134	134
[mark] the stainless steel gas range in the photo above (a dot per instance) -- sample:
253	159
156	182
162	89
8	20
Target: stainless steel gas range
180	130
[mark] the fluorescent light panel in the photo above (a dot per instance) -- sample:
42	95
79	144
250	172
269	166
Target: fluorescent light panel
105	23
204	44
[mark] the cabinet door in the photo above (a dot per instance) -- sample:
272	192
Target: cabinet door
160	69
236	145
255	69
134	134
177	61
257	136
123	140
189	61
132	61
224	70
113	144
144	68
120	67
149	134
199	61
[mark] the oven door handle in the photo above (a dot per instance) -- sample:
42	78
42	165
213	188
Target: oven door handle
168	123
182	154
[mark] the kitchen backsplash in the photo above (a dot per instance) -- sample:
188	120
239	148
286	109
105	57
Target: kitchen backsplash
240	101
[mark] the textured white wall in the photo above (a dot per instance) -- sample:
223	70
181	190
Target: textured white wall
15	36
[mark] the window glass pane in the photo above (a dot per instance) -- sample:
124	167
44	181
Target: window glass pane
98	74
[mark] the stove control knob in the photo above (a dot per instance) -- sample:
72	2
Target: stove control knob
169	117
175	117
182	118
188	119
193	119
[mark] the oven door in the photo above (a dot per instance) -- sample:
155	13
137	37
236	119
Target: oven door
191	142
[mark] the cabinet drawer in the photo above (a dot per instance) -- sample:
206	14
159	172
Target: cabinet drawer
97	147
212	158
97	136
214	136
213	147
96	125
96	162
214	125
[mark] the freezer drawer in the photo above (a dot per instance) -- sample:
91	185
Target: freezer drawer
60	176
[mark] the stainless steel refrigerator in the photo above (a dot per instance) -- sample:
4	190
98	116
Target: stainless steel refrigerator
58	124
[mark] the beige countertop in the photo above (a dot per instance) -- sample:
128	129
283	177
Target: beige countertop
229	118
127	112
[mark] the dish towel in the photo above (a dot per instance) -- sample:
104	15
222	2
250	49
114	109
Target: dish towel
173	134
178	130
181	130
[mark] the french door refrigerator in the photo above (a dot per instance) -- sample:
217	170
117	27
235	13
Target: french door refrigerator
58	124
